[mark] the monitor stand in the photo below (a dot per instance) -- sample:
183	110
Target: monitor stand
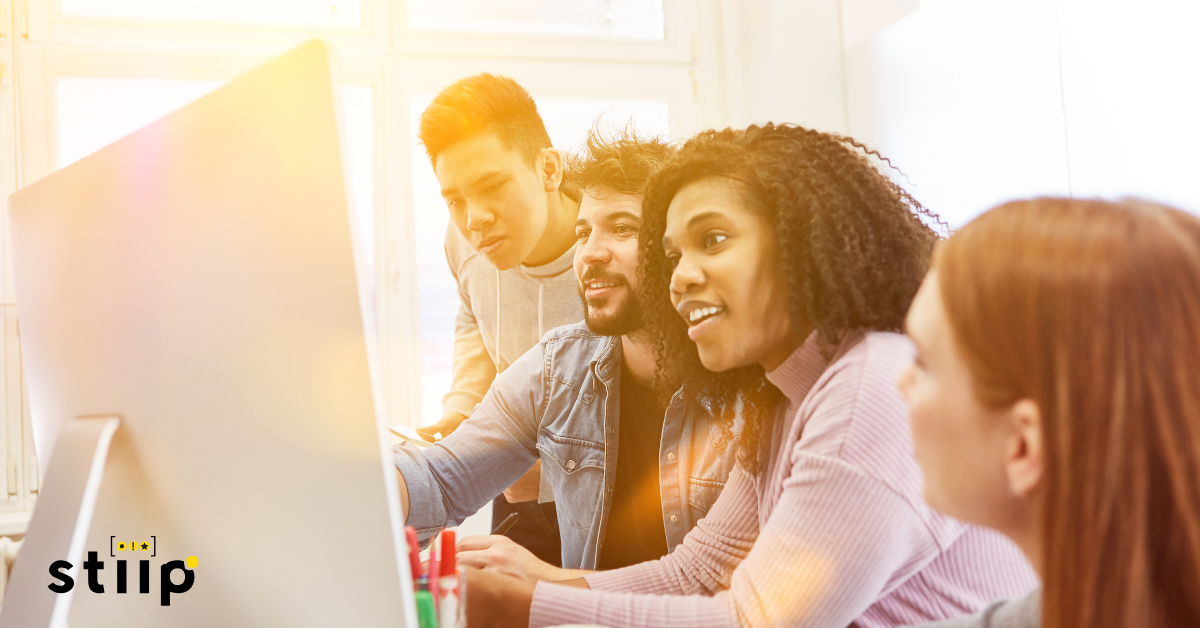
58	529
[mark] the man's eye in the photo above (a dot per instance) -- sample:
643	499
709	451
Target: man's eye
454	203
582	235
713	239
493	187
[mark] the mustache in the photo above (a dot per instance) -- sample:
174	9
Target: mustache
595	273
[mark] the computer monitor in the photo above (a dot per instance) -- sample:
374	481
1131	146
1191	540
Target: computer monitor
197	279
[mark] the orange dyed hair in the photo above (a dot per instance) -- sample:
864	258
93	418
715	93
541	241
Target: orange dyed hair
1092	310
484	103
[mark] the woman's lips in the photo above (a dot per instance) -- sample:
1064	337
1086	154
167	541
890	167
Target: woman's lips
695	332
699	316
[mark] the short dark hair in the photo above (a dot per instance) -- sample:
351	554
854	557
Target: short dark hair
618	159
484	103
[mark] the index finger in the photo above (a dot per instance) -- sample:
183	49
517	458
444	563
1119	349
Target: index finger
476	542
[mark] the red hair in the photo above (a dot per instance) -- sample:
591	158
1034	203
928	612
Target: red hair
1092	310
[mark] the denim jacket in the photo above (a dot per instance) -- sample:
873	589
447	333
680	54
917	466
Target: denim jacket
560	402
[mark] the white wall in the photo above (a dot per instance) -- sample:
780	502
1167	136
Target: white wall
782	62
1131	91
987	100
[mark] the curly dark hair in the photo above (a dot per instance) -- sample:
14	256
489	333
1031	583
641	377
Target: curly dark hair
854	247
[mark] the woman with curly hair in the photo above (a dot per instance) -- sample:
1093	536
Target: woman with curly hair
1054	398
777	265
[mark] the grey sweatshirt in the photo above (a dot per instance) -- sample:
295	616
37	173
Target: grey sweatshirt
501	315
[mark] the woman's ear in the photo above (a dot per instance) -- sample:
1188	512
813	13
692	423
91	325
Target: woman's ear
552	168
1024	460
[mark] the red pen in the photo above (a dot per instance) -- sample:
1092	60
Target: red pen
414	554
448	602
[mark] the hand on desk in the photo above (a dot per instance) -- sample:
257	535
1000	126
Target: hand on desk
494	599
497	600
499	554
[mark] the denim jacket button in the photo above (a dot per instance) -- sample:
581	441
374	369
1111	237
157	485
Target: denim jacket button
570	464
670	455
674	518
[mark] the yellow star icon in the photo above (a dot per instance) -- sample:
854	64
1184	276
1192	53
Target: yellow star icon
145	546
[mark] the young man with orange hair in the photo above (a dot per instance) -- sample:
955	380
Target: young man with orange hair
510	245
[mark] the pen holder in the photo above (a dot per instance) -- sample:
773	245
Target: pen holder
452	602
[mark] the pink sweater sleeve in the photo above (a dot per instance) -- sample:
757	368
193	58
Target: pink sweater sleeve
704	563
803	570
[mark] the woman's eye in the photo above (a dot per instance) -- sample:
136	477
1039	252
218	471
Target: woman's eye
672	260
622	230
713	239
493	187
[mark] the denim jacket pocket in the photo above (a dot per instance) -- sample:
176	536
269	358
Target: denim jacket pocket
575	469
702	494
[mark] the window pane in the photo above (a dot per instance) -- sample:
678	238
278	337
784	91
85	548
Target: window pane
280	12
357	112
635	19
96	111
567	120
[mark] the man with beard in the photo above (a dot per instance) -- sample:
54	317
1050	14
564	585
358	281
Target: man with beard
632	472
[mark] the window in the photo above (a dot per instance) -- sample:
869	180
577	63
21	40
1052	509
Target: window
94	111
635	19
88	72
292	12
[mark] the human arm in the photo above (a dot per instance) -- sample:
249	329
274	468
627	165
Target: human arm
451	480
496	600
402	486
499	554
527	488
836	541
473	368
717	549
704	563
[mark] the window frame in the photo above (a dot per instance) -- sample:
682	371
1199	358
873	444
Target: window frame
675	47
397	62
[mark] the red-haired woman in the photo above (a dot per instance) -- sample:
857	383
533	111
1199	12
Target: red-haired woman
1056	398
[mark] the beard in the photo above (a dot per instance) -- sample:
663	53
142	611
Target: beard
627	318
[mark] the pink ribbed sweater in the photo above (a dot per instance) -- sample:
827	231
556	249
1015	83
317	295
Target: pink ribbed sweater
832	532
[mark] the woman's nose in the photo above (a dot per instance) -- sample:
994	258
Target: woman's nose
686	276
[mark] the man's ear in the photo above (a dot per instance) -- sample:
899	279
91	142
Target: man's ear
552	168
1024	460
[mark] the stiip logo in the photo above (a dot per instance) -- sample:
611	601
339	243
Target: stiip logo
93	565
